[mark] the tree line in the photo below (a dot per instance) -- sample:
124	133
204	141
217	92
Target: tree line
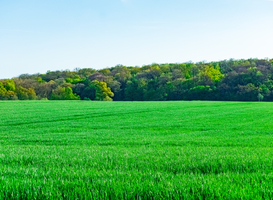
229	80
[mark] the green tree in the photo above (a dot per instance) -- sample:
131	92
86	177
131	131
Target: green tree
103	93
25	94
7	94
64	93
213	73
260	97
10	95
9	84
3	91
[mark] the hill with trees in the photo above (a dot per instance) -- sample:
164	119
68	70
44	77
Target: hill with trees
229	80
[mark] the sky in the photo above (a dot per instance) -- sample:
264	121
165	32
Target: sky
37	36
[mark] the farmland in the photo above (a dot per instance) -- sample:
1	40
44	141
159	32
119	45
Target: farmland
136	150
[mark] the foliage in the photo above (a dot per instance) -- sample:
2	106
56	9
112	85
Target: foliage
9	84
236	80
103	93
260	97
25	94
63	93
7	88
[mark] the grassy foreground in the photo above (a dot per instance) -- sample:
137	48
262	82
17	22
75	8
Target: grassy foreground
136	150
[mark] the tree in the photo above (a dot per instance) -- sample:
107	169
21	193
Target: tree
103	93
247	93
3	91
10	95
64	93
210	72
44	90
241	80
201	92
6	90
88	92
260	97
9	84
25	94
133	91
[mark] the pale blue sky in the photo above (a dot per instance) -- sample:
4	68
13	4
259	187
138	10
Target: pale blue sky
41	35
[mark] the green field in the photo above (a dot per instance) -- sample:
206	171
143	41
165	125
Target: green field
136	150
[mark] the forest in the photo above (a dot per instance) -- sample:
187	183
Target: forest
228	80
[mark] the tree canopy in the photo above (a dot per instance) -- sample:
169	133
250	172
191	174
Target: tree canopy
230	80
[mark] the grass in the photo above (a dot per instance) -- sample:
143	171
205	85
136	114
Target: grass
136	150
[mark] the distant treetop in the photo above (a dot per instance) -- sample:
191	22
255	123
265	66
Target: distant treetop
229	80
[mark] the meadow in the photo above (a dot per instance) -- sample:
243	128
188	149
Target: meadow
136	150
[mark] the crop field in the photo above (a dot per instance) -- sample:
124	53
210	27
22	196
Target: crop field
136	150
